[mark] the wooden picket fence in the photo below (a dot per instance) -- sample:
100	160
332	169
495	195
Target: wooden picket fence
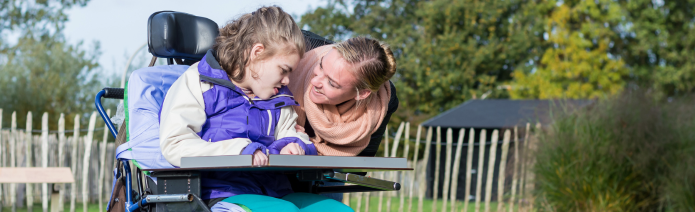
90	159
514	196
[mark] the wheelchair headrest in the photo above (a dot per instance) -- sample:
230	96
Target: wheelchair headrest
180	35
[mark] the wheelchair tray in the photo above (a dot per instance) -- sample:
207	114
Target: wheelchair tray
289	163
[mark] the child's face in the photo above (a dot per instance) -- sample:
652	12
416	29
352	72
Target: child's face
269	74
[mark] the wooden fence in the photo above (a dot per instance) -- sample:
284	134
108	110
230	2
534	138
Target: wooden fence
91	160
513	187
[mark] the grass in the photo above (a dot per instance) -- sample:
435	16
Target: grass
373	205
427	204
66	208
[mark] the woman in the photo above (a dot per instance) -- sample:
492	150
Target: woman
344	96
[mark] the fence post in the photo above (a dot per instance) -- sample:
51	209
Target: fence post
406	142
502	170
4	163
346	199
455	172
359	202
447	169
469	168
382	174
437	158
522	181
415	170
29	145
73	161
394	175
3	154
44	159
491	169
87	155
367	198
61	158
423	180
531	176
478	170
516	169
13	159
102	166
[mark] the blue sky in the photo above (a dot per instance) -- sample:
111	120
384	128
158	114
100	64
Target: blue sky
120	25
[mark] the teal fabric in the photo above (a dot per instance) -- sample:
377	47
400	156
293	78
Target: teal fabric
261	203
299	202
313	202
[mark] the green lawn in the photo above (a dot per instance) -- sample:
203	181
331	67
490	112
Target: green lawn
427	204
78	208
373	205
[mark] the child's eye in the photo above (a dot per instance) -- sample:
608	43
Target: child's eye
285	71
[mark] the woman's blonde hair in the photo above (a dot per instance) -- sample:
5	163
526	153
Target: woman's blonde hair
372	61
270	26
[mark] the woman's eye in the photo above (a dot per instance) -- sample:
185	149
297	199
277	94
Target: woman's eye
331	83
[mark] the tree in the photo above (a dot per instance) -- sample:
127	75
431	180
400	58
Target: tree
40	71
658	41
48	75
447	51
578	63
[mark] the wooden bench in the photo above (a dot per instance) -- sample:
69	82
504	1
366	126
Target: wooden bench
39	175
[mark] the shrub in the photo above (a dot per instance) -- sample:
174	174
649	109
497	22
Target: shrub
624	153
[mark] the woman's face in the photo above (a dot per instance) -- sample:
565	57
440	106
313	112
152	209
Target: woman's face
333	82
266	76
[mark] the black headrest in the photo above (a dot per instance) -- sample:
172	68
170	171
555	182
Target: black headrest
180	35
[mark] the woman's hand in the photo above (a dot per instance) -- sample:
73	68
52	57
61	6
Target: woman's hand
259	158
292	149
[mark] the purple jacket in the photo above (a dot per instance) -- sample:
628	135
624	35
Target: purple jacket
231	115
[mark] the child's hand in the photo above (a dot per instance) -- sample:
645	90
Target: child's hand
259	158
299	128
292	149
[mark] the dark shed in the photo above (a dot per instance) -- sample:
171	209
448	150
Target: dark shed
490	115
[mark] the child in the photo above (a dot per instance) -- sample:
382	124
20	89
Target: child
236	101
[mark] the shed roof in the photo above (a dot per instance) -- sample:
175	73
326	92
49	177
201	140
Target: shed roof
499	113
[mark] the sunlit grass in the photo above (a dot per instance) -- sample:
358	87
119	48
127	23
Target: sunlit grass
427	204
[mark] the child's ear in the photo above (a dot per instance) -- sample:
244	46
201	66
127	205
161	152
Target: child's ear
363	94
256	51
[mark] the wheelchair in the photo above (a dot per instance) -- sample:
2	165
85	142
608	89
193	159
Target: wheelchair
143	179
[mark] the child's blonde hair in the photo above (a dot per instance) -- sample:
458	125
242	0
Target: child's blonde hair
270	26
